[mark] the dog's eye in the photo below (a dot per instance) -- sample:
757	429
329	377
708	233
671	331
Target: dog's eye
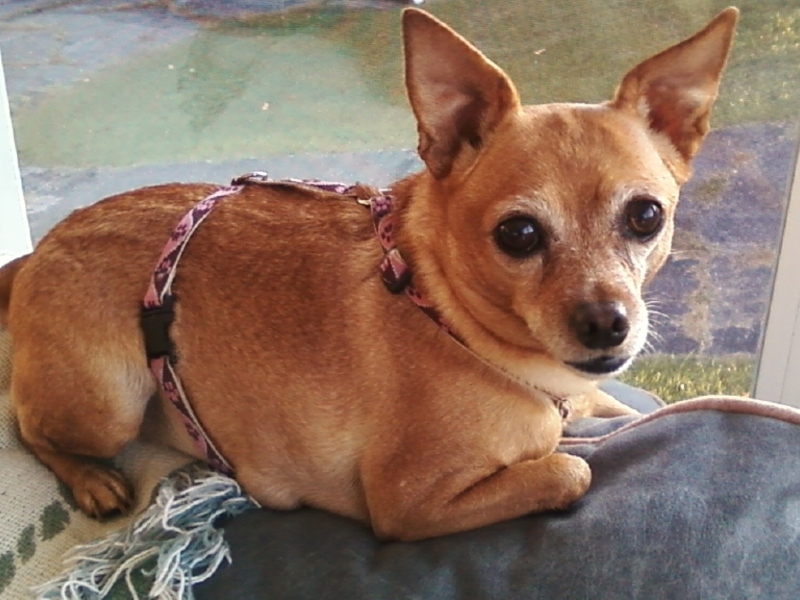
519	236
643	217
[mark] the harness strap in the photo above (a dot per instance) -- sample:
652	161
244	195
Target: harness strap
394	270
156	318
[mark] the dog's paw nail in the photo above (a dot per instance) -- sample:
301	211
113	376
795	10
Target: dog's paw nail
103	493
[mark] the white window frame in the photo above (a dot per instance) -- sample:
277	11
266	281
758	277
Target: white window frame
777	376
15	233
778	372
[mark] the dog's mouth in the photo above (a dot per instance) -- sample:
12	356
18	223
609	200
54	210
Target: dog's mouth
604	365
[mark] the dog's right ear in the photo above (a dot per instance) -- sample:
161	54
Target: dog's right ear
457	94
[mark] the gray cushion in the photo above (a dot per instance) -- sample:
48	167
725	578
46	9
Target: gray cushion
697	500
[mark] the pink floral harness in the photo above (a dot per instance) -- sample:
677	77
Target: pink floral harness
158	306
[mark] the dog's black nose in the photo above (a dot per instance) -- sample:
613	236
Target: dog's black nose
599	325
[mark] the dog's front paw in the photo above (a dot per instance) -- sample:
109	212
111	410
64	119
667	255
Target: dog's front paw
574	478
597	403
102	492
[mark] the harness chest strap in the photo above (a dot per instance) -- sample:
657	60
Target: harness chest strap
156	318
158	311
158	305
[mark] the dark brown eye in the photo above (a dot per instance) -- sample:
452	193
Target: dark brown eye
519	236
643	217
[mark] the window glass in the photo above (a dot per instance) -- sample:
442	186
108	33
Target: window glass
107	96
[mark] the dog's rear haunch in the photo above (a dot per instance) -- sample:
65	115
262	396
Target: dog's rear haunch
530	233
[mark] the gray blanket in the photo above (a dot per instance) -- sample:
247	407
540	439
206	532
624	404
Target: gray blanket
699	500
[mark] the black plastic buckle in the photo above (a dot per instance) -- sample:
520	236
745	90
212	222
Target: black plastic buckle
395	273
395	284
155	323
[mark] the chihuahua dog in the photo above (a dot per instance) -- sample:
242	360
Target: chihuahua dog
528	237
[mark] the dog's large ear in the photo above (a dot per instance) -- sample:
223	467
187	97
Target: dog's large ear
457	94
675	89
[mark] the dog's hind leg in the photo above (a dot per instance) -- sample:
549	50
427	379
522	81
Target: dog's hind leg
74	409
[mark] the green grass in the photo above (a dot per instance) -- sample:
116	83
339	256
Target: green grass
676	378
330	80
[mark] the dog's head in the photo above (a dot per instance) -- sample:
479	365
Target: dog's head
535	228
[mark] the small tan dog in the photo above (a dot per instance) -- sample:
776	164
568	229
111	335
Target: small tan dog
531	232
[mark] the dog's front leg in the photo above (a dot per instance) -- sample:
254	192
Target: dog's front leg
404	510
598	403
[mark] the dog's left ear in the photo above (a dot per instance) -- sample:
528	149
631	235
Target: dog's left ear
457	94
675	89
